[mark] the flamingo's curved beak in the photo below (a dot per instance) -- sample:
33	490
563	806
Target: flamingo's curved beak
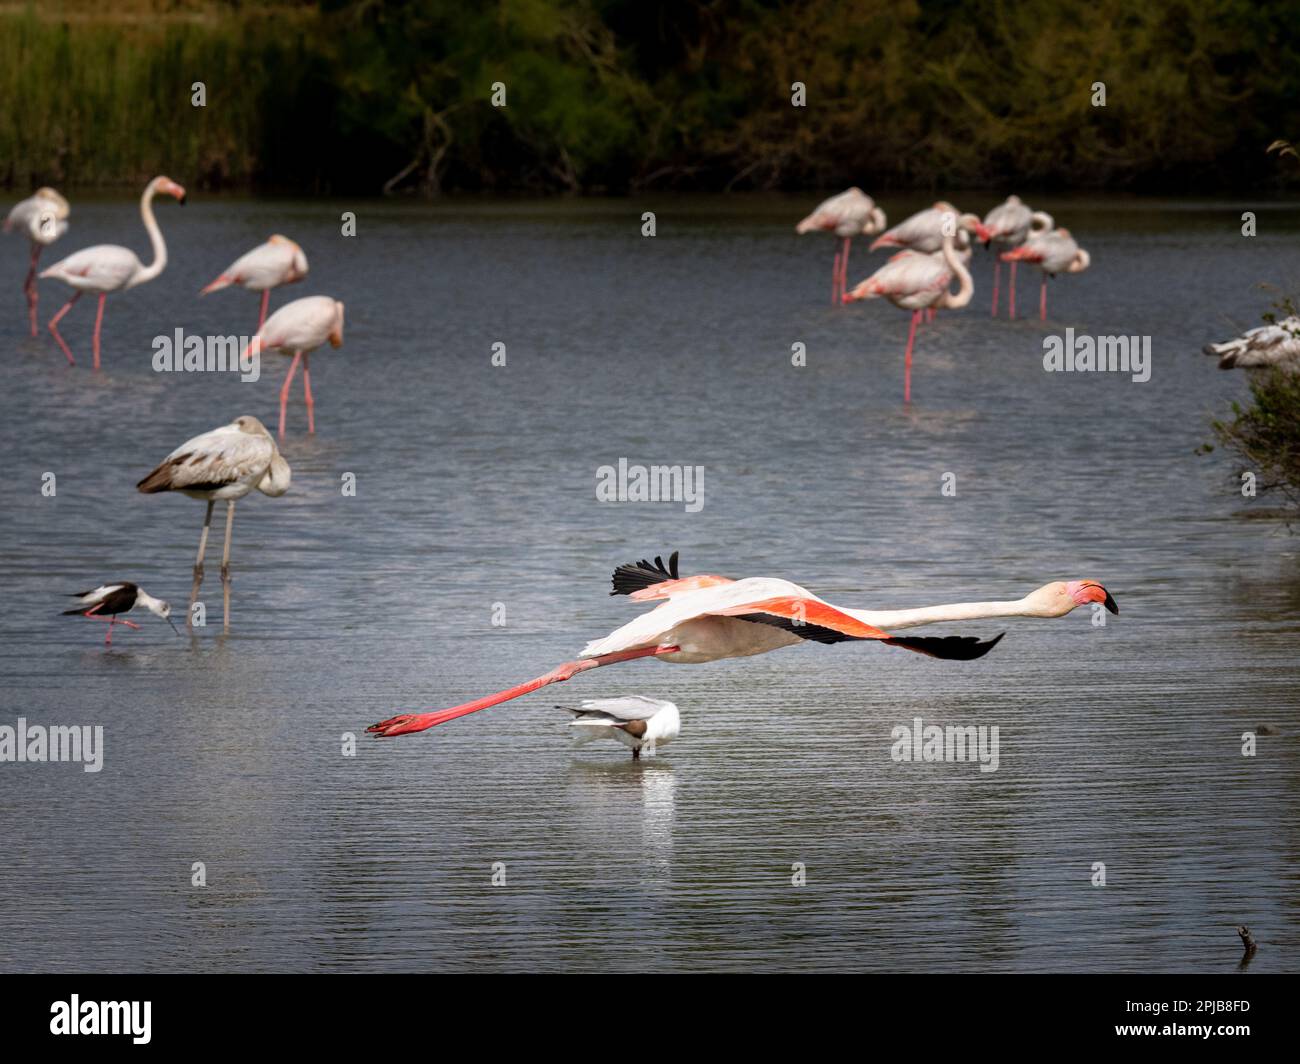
1084	591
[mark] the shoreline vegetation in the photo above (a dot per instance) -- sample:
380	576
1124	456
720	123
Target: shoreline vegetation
620	96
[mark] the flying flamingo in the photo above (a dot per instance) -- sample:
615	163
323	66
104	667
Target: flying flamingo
635	721
278	261
226	463
300	327
1276	344
852	213
109	601
915	281
1011	224
1052	252
109	268
709	618
42	218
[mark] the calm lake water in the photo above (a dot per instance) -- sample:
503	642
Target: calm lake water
475	486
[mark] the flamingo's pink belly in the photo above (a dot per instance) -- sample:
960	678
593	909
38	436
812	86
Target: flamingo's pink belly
714	638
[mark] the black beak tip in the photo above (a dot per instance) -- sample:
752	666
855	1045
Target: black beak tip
1110	604
182	200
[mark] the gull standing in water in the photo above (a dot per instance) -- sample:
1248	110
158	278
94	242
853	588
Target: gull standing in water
635	721
226	463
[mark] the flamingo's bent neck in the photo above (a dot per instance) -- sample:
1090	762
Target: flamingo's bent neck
965	286
155	240
953	611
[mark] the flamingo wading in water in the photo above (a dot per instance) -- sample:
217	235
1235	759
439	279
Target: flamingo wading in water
851	213
1009	225
42	218
278	261
1052	252
709	618
915	281
226	463
299	328
109	268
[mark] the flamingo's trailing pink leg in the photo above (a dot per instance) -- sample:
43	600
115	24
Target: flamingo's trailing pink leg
54	325
1013	289
266	302
99	321
844	269
907	358
29	286
306	386
835	280
1042	301
414	722
284	391
997	276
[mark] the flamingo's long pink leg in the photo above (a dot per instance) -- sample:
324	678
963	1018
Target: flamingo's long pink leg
1042	301
306	386
99	321
844	268
54	325
835	280
29	287
284	392
266	302
997	277
414	722
1013	290
907	358
108	637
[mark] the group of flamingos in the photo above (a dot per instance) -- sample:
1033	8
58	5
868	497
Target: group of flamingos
934	248
697	619
231	461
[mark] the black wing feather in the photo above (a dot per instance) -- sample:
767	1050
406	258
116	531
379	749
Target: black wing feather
949	648
634	577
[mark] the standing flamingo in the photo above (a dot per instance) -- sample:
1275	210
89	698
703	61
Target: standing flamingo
708	618
300	327
1010	224
925	230
278	261
42	218
1052	252
915	281
852	213
226	463
109	268
1276	344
